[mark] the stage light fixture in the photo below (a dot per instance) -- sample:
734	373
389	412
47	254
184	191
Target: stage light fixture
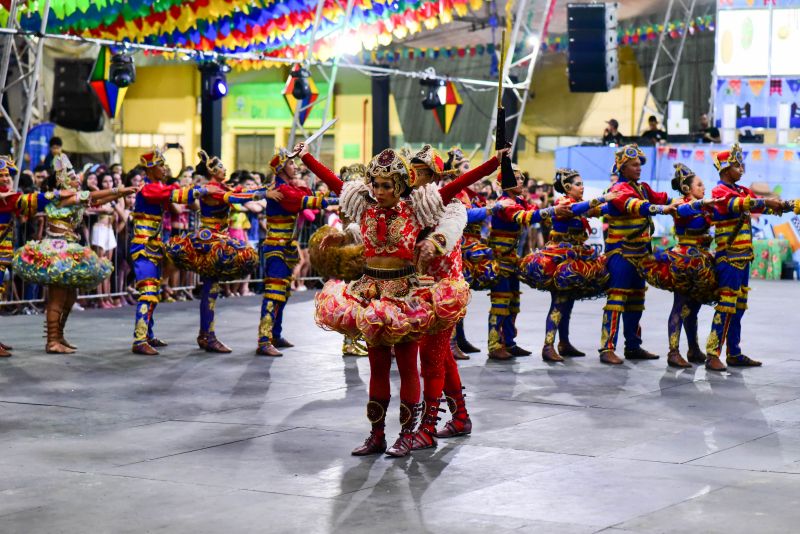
216	83
435	92
122	71
301	89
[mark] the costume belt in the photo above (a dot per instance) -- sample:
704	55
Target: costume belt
389	274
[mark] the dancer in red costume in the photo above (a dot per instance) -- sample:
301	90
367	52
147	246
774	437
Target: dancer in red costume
389	305
440	256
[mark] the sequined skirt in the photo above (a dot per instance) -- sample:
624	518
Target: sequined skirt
212	254
391	311
683	269
479	266
576	271
57	262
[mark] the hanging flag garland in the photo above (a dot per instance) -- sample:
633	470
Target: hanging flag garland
110	95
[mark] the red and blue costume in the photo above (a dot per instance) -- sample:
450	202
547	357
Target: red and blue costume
687	270
509	214
147	249
210	251
734	252
15	206
628	241
566	267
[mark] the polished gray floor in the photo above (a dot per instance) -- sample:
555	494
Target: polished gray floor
106	441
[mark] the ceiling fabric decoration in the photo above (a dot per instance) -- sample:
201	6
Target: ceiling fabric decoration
275	28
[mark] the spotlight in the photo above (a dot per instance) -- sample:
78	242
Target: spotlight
215	84
435	93
301	89
122	71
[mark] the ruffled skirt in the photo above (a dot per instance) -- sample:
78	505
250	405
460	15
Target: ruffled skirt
212	254
479	266
387	312
683	269
57	262
576	271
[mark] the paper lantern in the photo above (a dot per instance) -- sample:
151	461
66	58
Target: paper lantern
447	112
109	95
307	104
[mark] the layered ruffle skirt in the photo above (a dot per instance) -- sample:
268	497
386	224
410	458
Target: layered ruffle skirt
683	269
387	312
480	268
575	271
57	262
212	254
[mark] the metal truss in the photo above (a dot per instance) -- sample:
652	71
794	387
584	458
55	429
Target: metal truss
668	54
526	41
327	71
20	69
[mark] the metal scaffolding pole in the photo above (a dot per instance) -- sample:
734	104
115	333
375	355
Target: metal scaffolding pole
532	36
334	72
8	44
32	86
540	34
312	40
666	55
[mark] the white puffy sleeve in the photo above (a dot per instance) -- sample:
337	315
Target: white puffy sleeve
448	231
427	204
353	200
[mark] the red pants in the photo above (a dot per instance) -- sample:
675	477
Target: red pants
439	367
380	363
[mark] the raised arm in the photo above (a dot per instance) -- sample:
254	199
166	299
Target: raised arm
323	173
449	191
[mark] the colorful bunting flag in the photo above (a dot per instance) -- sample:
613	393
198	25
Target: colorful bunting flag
307	104
756	85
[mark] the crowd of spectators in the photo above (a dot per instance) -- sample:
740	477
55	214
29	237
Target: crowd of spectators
108	230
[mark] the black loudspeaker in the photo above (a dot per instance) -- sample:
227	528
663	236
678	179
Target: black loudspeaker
380	114
75	105
592	49
210	115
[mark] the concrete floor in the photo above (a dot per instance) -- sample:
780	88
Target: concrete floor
106	441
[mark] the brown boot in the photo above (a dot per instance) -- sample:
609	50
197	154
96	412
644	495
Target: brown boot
425	436
408	422
55	302
713	363
695	355
566	349
376	441
674	359
610	357
210	343
62	325
6	347
640	354
549	354
457	353
518	351
500	354
460	424
4	353
144	349
268	350
742	361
